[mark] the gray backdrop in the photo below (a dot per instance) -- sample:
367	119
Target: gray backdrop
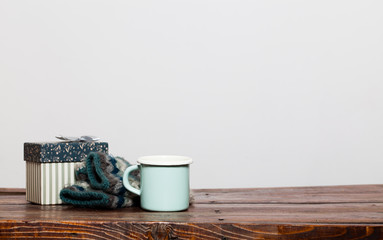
258	93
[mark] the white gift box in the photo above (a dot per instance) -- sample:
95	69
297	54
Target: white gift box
51	166
45	181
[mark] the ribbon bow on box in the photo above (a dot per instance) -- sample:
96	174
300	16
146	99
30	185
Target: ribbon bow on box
80	139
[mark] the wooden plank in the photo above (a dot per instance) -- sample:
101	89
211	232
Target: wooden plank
12	191
14	207
355	213
303	195
203	231
341	212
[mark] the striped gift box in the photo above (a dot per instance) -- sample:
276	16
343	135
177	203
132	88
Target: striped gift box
45	181
51	166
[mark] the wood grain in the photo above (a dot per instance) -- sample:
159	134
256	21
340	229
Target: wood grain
12	191
152	230
301	195
341	212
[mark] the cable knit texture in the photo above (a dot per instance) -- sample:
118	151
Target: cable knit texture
99	183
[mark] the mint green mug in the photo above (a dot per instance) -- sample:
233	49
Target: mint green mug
164	182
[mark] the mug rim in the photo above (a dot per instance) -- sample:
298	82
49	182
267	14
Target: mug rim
165	160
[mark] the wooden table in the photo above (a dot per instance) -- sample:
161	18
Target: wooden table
337	212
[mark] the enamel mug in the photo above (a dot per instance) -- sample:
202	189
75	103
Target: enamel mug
164	182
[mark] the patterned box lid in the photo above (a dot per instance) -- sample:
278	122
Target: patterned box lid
68	151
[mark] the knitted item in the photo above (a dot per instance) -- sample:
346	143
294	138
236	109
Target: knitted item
81	195
104	172
99	183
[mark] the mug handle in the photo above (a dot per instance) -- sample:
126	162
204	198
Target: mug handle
125	180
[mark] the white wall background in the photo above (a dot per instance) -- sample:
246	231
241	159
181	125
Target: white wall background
259	93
